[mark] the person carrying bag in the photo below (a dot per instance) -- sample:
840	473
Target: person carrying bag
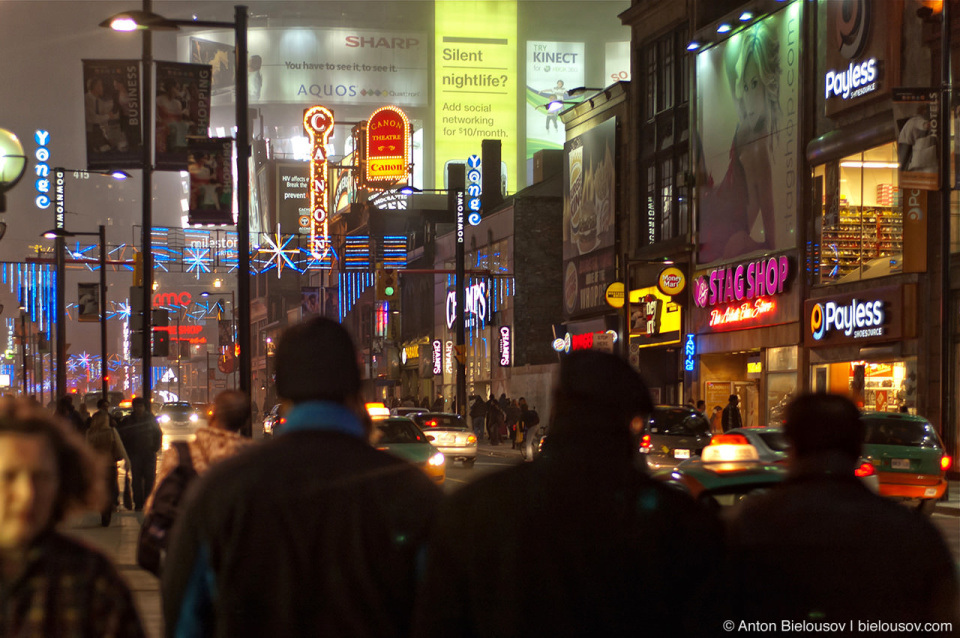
105	440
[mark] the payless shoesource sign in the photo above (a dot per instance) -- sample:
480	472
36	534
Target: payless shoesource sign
881	314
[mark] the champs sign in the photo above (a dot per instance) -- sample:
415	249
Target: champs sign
388	147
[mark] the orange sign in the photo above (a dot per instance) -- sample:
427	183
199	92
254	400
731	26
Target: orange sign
388	146
318	122
671	281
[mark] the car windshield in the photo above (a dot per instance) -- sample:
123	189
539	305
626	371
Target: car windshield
909	433
177	409
774	440
678	422
399	431
440	421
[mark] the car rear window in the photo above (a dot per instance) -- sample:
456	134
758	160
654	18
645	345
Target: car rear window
908	433
399	431
678	422
440	421
774	440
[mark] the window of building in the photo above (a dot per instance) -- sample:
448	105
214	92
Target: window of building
860	229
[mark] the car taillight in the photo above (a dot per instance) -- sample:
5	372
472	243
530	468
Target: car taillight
471	439
645	444
431	424
866	469
945	462
282	420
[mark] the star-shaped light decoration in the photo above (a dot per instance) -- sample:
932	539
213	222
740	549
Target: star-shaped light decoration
119	310
197	260
80	254
277	252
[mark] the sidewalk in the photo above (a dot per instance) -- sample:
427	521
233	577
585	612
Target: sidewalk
119	542
951	506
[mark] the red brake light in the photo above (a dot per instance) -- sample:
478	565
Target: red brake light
945	462
645	441
282	420
431	424
866	469
729	439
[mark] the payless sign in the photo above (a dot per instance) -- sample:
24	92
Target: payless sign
862	52
870	315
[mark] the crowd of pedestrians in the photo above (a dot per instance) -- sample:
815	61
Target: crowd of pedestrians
317	532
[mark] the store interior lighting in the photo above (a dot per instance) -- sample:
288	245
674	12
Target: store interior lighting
853	164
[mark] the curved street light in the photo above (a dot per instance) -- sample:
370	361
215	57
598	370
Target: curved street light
13	164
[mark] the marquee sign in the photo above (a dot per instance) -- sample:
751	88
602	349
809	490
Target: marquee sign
746	294
388	147
739	282
855	317
318	122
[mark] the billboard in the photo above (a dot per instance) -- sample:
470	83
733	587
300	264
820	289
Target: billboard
589	205
475	70
183	111
111	108
211	180
748	91
553	68
307	65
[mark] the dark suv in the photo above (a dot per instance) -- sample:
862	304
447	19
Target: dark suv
673	433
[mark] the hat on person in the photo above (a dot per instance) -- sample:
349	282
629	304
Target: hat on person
317	361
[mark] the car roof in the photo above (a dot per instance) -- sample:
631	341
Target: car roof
893	416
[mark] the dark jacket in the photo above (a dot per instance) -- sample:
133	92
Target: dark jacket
328	525
479	408
570	546
141	435
731	418
838	552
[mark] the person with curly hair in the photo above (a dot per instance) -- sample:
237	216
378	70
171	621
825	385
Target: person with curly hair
53	585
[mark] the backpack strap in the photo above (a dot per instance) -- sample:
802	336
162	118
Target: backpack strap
183	454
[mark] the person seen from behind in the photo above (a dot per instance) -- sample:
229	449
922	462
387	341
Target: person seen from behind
838	550
731	414
572	543
104	438
327	524
67	412
53	585
142	439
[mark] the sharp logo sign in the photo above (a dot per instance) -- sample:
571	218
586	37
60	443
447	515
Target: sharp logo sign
858	319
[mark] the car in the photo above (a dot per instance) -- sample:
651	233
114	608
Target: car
179	421
273	421
450	435
673	433
401	437
909	456
407	411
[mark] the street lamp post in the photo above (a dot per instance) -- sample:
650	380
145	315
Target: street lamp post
59	234
146	20
233	322
13	164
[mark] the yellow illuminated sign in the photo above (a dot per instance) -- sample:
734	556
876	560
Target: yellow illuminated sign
754	367
652	313
388	146
475	70
318	122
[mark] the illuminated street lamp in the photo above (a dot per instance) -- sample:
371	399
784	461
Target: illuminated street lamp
148	21
13	164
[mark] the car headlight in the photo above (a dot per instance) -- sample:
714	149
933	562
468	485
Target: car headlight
437	459
164	418
194	418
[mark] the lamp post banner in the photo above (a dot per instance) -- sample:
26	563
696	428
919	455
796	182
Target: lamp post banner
88	302
111	106
183	110
211	180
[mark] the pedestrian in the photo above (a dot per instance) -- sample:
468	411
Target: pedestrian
218	440
332	527
503	402
437	404
582	536
528	427
716	420
68	413
142	438
84	414
53	585
425	403
731	414
494	420
513	421
702	407
822	525
478	415
103	437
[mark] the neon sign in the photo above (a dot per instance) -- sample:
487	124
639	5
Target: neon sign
448	357
743	312
737	282
690	352
42	169
854	81
318	122
506	348
437	357
858	319
388	146
476	303
585	341
162	299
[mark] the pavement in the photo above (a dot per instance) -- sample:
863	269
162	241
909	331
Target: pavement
950	506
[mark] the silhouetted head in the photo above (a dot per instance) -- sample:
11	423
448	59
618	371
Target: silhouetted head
103	404
598	398
823	423
317	361
734	399
231	410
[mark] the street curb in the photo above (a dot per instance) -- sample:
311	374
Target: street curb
946	510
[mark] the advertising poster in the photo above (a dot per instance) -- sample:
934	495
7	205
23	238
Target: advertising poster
475	71
553	68
617	62
293	197
589	204
111	108
88	302
211	180
309	65
309	301
916	112
183	111
749	153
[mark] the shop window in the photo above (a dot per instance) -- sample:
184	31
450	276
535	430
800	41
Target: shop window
880	387
781	381
860	228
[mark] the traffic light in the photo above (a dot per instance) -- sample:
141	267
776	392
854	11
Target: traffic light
388	285
161	333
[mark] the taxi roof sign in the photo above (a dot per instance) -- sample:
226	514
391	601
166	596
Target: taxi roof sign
729	448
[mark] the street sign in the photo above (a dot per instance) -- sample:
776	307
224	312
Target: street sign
474	189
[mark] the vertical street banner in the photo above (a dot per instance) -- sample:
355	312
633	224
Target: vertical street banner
211	181
475	80
112	114
553	68
916	112
183	111
88	302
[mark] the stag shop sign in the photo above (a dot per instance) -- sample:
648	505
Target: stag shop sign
743	294
868	315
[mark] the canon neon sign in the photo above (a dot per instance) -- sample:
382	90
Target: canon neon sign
739	282
318	122
858	319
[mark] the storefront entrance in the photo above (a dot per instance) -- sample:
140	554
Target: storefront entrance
875	386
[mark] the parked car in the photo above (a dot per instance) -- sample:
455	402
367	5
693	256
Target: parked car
402	437
407	411
672	434
450	435
909	456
